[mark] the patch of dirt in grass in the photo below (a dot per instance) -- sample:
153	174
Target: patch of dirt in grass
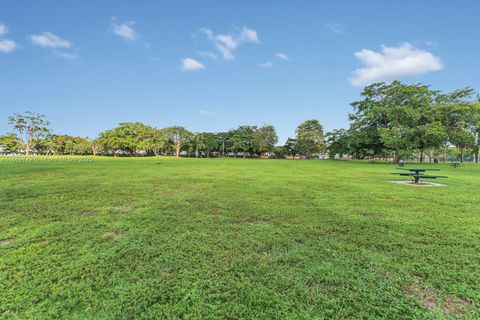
112	234
314	289
369	214
425	296
420	184
92	212
6	242
432	300
202	185
456	306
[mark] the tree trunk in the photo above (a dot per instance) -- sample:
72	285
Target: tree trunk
431	156
462	150
421	155
395	156
177	150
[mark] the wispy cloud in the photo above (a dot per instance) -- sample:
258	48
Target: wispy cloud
335	27
431	43
56	45
3	30
248	35
65	55
7	46
189	64
267	64
208	54
124	30
206	113
393	63
226	44
49	40
223	42
282	56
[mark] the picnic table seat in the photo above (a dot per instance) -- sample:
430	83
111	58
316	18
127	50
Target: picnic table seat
417	173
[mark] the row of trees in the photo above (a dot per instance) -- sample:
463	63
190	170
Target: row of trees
32	135
393	121
397	120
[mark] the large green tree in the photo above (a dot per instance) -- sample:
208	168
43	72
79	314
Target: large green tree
179	137
241	140
338	143
290	147
128	138
460	116
205	143
395	118
264	139
10	142
310	138
29	126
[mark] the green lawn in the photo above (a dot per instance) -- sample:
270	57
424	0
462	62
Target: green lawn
235	239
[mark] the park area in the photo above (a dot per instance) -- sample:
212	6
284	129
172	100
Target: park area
168	238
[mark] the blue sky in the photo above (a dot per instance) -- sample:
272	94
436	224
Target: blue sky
214	65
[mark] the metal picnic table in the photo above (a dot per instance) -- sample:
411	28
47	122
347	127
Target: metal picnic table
455	164
417	173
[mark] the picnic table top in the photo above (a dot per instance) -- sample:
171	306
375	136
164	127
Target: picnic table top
419	169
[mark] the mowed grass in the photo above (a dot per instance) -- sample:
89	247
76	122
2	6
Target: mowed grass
163	238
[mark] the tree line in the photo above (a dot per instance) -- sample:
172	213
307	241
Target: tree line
32	135
392	121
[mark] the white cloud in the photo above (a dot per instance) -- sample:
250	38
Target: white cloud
124	30
248	35
335	27
282	56
65	55
7	46
189	64
267	64
393	63
3	30
49	40
226	44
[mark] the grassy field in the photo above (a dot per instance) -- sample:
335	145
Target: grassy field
235	239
